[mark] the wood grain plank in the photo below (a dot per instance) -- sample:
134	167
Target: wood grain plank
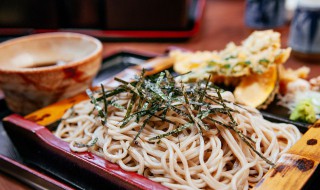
291	172
294	168
54	112
309	145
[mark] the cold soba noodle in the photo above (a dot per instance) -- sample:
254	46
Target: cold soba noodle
203	149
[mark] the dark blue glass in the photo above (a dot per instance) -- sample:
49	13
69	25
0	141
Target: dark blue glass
264	14
305	30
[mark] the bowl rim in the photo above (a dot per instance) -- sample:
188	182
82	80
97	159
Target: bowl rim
29	38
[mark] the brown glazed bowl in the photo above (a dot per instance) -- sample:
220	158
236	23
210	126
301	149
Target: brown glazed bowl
40	69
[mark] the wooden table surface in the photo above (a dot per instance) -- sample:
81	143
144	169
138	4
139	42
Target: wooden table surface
223	22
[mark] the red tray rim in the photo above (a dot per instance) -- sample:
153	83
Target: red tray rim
100	164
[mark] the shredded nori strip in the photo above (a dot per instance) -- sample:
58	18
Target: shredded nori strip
96	106
105	101
175	131
156	95
90	144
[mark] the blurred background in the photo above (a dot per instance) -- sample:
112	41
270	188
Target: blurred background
120	19
96	14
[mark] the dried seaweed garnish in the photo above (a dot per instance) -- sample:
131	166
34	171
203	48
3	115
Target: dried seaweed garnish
203	92
96	106
245	139
91	112
143	108
105	101
170	79
128	85
156	90
114	92
90	144
126	120
156	95
116	105
175	131
142	127
167	105
233	123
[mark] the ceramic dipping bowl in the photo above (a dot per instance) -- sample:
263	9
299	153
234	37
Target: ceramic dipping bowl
37	70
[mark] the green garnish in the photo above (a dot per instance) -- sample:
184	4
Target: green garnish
227	66
264	62
155	96
105	101
304	111
175	131
230	57
90	144
247	62
212	63
94	101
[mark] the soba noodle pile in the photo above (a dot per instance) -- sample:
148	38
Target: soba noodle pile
216	158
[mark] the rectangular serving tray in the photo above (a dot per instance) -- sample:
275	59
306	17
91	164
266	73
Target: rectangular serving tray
38	148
